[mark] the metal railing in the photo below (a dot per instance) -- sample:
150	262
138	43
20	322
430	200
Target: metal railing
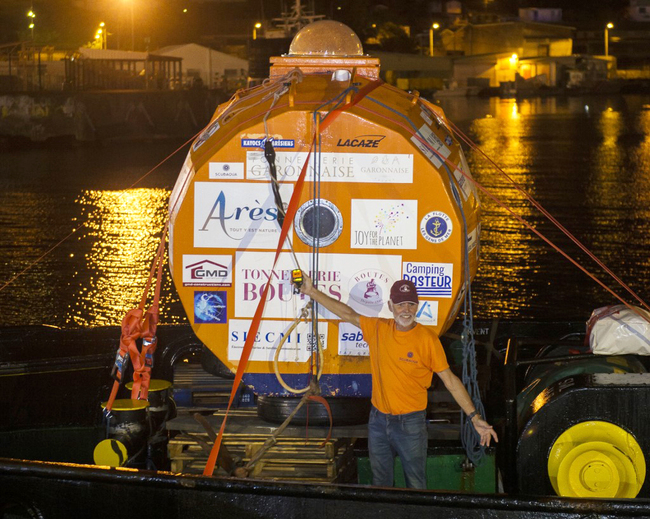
25	67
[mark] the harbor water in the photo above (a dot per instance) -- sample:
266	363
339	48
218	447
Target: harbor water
79	225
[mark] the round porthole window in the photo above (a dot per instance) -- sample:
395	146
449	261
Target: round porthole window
320	221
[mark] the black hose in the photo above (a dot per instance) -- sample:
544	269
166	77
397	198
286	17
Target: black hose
269	154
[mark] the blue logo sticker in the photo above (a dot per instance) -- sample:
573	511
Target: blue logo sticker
259	143
427	313
430	279
210	307
436	227
448	140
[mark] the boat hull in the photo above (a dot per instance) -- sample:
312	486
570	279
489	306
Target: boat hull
56	490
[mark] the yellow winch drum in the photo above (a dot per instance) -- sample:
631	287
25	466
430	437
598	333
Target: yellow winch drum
584	436
596	459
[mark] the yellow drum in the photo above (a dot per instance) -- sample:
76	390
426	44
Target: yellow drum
387	196
596	459
128	430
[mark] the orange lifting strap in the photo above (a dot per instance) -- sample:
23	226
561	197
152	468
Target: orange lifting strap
140	324
290	213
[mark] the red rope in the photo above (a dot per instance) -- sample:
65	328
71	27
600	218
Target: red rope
149	325
138	324
548	215
503	205
252	333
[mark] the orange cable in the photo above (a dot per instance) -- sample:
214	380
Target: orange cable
291	211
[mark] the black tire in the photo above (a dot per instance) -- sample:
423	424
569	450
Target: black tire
20	508
345	410
211	364
183	349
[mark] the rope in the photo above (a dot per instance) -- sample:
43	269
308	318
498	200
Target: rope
250	341
60	242
414	132
315	245
149	326
469	437
138	324
302	317
312	394
548	215
319	126
269	153
271	87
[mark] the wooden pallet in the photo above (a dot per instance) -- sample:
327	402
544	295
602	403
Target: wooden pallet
291	459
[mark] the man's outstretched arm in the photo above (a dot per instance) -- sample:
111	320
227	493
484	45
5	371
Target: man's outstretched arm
336	307
460	394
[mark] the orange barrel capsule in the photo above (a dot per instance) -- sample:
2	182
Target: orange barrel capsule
387	195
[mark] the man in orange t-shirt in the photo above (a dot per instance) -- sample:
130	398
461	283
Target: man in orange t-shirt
403	357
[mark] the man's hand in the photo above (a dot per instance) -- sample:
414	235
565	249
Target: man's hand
307	285
485	430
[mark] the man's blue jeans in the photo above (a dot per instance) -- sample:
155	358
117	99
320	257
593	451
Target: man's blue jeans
404	435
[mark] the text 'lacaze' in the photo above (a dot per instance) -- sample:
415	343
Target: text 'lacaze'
359	143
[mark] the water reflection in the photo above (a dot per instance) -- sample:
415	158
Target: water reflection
98	272
506	250
123	230
586	161
29	223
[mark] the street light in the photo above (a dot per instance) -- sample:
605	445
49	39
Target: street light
132	25
609	26
31	15
101	35
258	25
434	27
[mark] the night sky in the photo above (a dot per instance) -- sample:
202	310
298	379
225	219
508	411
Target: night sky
68	24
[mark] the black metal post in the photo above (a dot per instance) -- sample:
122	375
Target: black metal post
511	425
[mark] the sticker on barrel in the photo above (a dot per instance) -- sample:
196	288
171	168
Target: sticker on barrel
436	227
430	279
210	307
